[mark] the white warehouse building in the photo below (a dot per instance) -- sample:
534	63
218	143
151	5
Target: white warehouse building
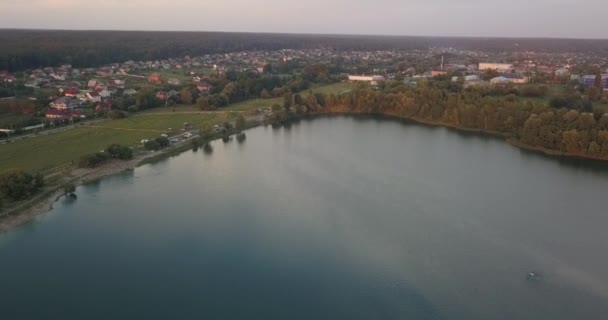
372	79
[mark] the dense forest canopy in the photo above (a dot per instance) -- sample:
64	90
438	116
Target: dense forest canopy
23	49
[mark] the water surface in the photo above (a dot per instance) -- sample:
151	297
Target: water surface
332	218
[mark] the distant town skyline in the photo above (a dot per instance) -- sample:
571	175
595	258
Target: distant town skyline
468	18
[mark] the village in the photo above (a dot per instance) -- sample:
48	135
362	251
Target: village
74	94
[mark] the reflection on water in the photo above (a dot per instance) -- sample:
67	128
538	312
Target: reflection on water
330	218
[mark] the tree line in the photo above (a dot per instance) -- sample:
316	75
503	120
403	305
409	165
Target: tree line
27	49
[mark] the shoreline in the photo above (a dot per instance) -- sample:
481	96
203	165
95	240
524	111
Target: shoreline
44	202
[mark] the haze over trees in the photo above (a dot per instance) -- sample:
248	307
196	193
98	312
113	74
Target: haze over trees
26	49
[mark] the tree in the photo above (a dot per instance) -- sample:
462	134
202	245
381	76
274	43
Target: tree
93	160
203	104
186	95
120	152
19	185
490	74
241	123
68	189
287	101
598	81
297	99
163	142
265	94
152	145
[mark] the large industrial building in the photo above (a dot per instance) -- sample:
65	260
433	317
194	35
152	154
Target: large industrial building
372	79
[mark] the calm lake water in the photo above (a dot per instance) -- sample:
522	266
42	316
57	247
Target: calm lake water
332	218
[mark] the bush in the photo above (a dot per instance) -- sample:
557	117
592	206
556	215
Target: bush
157	144
152	145
93	160
69	188
163	142
532	91
116	114
18	185
120	152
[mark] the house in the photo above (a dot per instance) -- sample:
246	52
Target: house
499	80
174	81
57	76
472	77
93	96
104	93
438	72
563	72
516	78
500	67
130	92
105	72
92	84
64	103
204	87
116	84
509	78
62	114
155	78
72	92
161	95
7	78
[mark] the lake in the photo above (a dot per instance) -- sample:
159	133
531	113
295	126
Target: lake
329	218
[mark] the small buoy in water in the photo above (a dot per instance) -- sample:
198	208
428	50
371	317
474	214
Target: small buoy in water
534	276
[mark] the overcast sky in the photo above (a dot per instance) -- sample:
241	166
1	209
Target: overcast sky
527	18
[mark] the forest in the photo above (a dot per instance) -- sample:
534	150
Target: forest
27	49
525	123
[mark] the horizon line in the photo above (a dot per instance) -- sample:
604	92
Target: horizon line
310	34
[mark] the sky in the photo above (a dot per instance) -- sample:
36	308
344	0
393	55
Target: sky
480	18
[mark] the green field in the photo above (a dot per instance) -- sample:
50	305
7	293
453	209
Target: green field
44	152
157	123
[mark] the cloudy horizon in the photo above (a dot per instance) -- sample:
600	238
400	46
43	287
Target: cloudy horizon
467	18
